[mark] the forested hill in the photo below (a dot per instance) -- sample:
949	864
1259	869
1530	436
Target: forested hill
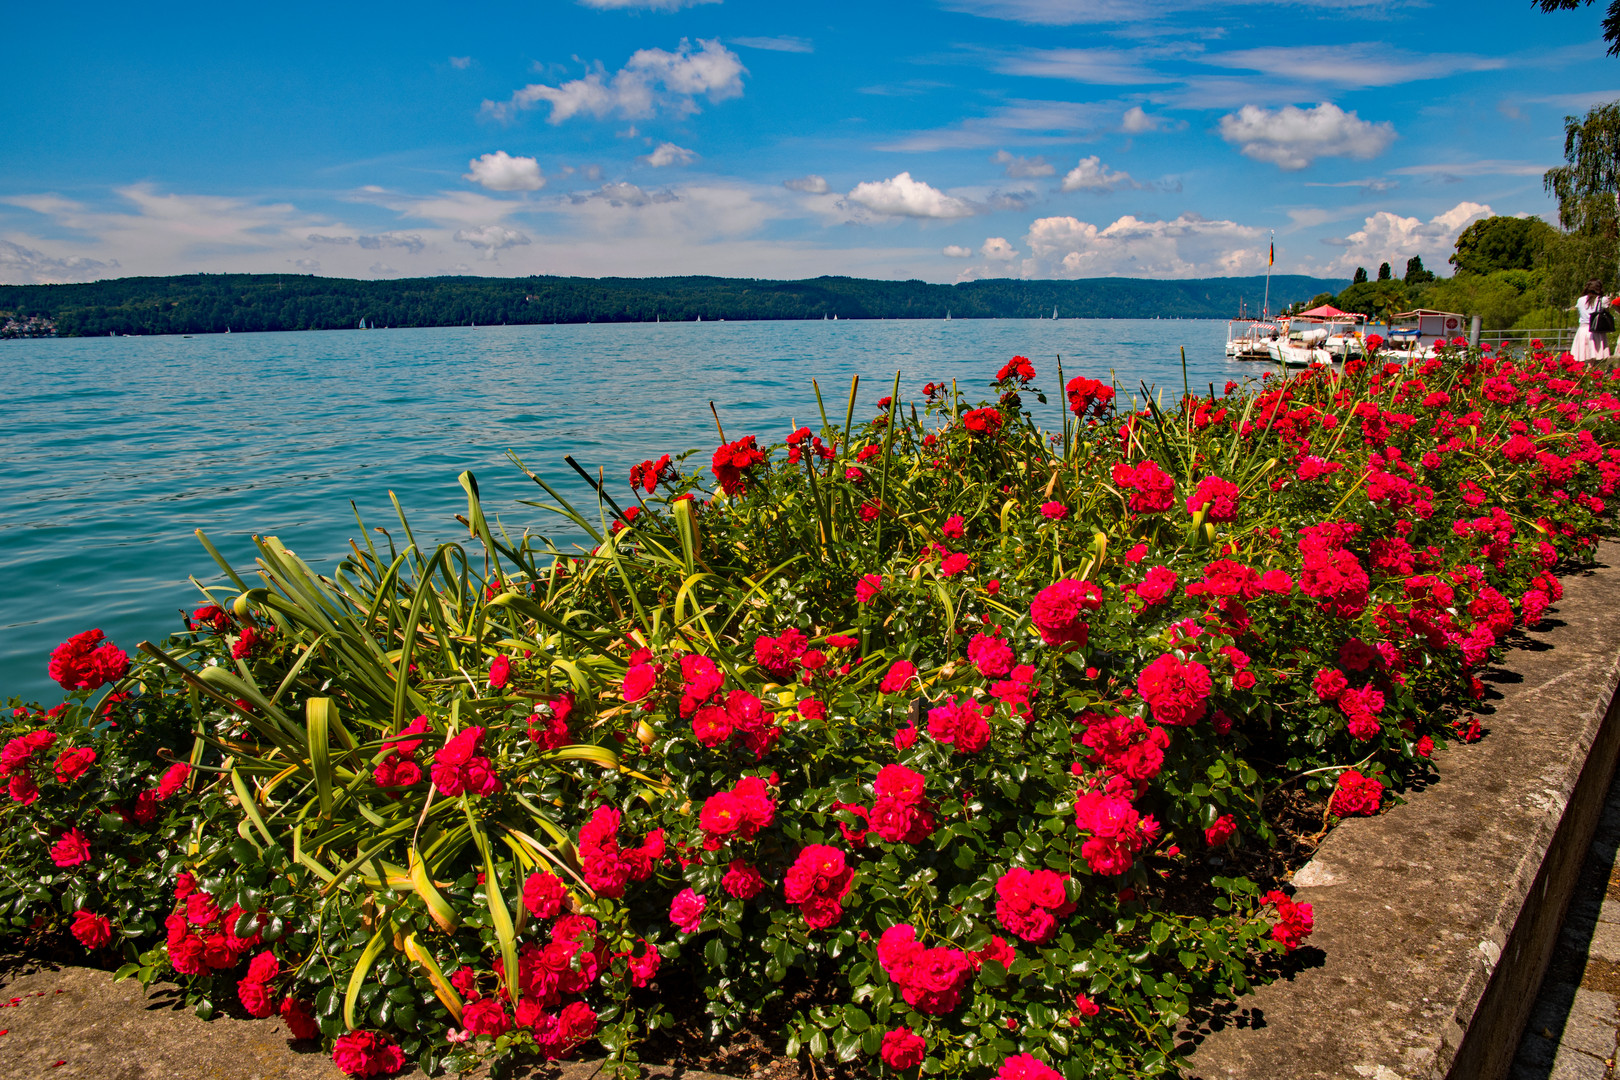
211	303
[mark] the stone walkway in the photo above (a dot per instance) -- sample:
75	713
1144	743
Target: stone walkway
1574	1028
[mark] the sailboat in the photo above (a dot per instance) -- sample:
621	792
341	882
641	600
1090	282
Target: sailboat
1054	313
947	314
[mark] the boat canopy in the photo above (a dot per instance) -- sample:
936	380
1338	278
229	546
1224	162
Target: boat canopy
1325	311
1432	323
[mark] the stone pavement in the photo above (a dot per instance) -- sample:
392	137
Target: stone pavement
1573	1030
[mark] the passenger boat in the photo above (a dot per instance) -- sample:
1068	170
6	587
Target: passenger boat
1413	333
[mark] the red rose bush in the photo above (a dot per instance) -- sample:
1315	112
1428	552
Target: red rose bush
916	732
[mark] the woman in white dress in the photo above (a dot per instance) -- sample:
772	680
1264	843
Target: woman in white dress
1587	345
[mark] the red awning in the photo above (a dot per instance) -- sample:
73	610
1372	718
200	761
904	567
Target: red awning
1326	311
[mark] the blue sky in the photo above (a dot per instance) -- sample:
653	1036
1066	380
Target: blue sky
938	139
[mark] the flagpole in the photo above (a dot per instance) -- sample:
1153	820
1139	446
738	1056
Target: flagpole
1265	308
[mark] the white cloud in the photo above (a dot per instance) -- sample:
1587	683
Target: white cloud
308	266
1092	175
1022	121
461	63
500	172
621	193
1291	137
644	5
1187	246
1355	64
381	269
21	265
668	153
1096	67
810	185
776	44
957	251
411	242
1078	12
901	196
1492	167
1373	184
652	79
1137	121
491	239
996	249
1391	238
1022	168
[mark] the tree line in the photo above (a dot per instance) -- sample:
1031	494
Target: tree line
213	303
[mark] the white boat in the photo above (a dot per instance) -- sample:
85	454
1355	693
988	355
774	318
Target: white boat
1246	338
947	314
1301	349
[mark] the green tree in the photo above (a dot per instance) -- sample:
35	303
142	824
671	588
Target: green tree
1611	18
1374	298
1587	186
1415	274
1384	272
1361	276
1501	243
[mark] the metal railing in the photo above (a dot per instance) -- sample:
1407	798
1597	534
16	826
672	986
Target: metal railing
1556	338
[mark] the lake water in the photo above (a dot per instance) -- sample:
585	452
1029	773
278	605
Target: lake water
116	449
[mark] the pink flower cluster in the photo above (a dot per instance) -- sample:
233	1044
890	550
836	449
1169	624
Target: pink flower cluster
86	661
203	938
900	813
961	724
1151	488
742	717
398	767
736	814
1058	611
608	868
1115	831
459	767
1175	689
1030	903
931	980
817	883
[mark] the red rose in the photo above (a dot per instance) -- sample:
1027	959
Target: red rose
686	911
898	677
742	880
1058	611
1219	833
70	850
485	1017
367	1053
1175	690
71	764
93	931
299	1018
500	670
544	895
903	1049
174	778
256	997
1356	795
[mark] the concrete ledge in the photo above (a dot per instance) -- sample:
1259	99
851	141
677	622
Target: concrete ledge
1436	920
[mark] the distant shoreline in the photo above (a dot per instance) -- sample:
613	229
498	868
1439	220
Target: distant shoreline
247	303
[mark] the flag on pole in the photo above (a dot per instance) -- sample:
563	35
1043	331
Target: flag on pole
1272	258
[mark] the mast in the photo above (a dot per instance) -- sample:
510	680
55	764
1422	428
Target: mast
1265	309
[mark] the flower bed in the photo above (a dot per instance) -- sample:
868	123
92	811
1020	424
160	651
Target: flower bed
915	737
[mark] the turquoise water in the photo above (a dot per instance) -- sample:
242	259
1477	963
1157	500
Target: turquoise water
115	449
